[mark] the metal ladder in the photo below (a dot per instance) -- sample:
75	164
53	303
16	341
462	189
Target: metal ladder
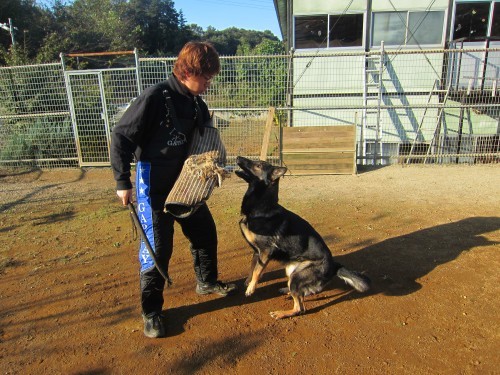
372	100
418	132
437	131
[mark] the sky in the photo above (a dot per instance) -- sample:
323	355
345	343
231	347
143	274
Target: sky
257	15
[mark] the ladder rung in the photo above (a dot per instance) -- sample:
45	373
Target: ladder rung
373	57
372	71
373	84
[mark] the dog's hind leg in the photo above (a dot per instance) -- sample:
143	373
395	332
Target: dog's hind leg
298	308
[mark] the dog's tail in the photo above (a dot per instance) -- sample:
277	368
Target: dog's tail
355	279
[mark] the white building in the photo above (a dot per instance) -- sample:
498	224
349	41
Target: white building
413	75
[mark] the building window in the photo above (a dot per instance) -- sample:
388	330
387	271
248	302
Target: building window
425	28
408	28
471	20
389	27
311	31
346	30
323	31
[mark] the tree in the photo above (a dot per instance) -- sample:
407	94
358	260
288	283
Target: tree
228	40
30	21
196	31
154	27
269	47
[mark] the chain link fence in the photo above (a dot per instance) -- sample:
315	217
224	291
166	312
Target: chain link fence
35	120
436	106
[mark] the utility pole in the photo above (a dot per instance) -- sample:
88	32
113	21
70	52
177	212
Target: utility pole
10	28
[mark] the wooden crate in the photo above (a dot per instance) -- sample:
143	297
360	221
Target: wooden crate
320	149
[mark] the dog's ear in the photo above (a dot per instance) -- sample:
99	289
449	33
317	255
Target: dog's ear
277	173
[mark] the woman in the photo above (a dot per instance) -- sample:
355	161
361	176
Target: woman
156	129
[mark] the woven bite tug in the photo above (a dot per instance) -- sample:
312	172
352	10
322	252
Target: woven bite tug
201	172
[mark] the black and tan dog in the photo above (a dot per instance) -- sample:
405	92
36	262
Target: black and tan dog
275	233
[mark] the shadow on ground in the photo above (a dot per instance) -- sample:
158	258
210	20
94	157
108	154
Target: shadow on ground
394	265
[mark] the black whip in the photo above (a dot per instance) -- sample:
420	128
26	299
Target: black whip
135	219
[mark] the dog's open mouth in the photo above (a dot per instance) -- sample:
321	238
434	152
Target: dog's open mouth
244	173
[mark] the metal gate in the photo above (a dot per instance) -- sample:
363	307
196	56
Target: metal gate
89	117
96	99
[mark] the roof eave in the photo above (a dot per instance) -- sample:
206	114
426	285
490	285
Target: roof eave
281	12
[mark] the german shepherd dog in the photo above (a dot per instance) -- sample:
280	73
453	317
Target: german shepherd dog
276	233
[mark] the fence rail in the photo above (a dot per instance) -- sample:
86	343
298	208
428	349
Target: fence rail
432	106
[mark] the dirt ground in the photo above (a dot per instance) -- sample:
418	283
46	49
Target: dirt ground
428	237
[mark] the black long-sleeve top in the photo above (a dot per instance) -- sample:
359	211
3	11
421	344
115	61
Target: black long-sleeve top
146	132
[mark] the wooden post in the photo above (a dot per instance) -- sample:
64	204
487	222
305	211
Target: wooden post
267	134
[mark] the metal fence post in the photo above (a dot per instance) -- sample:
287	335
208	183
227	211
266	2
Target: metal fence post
138	71
71	110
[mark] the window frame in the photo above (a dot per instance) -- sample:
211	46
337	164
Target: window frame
494	5
309	16
327	41
361	36
407	35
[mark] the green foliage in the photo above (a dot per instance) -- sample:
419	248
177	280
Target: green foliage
154	27
253	82
35	140
26	94
14	56
229	41
30	21
269	47
93	25
23	92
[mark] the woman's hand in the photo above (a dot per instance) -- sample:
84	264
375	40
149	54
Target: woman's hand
125	196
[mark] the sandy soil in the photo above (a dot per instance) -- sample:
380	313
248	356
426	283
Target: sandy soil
427	236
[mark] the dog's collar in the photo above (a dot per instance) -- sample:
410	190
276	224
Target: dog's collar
267	215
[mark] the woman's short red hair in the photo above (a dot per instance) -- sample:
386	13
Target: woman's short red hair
197	59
